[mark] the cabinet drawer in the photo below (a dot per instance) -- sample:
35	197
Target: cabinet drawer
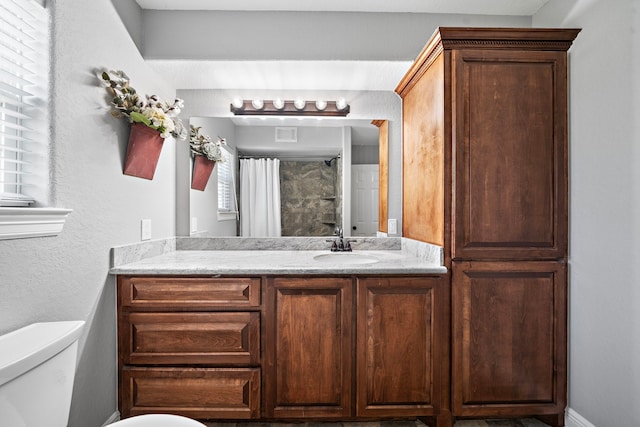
176	293
190	338
196	393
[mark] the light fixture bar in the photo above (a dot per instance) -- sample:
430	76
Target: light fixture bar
289	109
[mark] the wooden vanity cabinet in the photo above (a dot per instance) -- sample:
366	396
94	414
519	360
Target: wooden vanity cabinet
387	344
510	167
308	347
485	143
285	348
189	346
485	160
509	339
402	347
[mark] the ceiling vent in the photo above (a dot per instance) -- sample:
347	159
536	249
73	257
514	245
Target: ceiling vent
286	134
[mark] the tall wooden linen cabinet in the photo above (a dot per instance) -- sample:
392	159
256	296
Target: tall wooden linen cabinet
485	177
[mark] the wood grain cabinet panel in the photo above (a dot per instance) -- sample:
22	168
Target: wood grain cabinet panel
309	353
203	393
402	346
383	177
188	293
511	154
423	156
485	143
509	324
179	338
485	160
189	346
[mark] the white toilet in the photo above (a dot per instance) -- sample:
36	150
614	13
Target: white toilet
37	367
157	420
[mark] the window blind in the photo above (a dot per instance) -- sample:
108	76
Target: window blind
23	80
225	183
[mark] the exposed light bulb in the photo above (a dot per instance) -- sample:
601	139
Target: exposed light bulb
321	105
237	103
341	104
300	103
257	104
278	103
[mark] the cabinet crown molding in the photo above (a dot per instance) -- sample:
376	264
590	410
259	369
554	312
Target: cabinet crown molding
447	38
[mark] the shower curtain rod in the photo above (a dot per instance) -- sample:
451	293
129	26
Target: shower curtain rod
290	156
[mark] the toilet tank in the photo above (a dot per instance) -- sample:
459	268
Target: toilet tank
37	367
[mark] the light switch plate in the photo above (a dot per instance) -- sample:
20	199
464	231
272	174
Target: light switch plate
145	229
392	226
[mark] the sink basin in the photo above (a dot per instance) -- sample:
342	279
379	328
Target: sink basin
346	258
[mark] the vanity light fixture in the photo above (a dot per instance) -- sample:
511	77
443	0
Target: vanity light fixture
237	102
257	104
299	107
278	103
300	103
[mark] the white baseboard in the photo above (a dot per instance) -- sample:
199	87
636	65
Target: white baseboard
112	419
574	419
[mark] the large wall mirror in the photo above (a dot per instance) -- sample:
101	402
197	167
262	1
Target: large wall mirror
328	167
312	176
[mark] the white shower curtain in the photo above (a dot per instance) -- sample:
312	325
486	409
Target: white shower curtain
260	198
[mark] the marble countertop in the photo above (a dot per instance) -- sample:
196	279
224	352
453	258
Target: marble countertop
278	262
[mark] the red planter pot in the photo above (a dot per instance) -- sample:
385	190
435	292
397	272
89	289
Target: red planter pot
143	151
202	168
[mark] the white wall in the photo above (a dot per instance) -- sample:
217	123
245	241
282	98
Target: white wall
66	277
299	35
604	318
131	15
203	205
311	140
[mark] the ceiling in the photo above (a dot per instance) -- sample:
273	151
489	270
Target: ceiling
482	7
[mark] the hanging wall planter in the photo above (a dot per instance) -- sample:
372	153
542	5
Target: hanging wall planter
206	152
143	151
152	120
202	168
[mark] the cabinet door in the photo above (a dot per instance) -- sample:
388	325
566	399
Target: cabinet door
402	346
509	338
308	348
510	182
